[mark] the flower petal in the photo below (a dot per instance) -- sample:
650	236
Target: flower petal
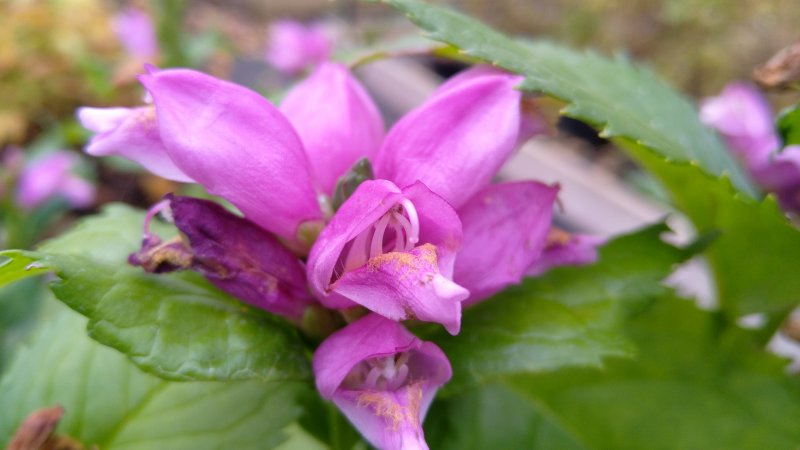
457	140
133	134
782	176
369	202
505	230
402	286
743	117
49	177
293	46
337	121
237	145
566	250
241	258
389	419
135	31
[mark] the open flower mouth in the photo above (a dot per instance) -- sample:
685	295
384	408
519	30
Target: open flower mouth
396	231
381	373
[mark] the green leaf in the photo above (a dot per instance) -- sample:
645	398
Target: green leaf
620	98
16	265
494	417
109	403
756	256
789	126
177	326
694	385
570	316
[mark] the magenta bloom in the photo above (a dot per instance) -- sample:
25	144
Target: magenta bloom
135	31
51	177
391	251
743	118
293	47
383	378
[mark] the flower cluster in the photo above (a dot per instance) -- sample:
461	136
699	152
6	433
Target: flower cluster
424	234
742	116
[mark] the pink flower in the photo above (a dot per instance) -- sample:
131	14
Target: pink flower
742	116
383	379
393	246
293	47
51	176
135	31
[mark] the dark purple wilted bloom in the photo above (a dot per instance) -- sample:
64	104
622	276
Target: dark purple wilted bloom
383	378
743	117
233	253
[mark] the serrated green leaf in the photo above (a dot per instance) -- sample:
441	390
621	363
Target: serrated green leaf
108	402
694	385
570	316
756	256
789	126
621	99
177	326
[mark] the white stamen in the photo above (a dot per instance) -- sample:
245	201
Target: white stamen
411	212
376	248
357	255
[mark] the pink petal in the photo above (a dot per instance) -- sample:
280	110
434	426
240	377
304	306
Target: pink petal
566	250
371	200
391	418
133	134
135	31
457	140
397	284
49	177
337	121
743	117
293	46
505	230
782	176
238	146
402	286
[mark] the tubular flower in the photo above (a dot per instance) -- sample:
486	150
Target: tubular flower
391	251
293	47
743	118
135	31
382	378
51	176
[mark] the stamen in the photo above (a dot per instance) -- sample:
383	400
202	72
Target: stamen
358	254
407	229
400	243
413	238
162	205
376	247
